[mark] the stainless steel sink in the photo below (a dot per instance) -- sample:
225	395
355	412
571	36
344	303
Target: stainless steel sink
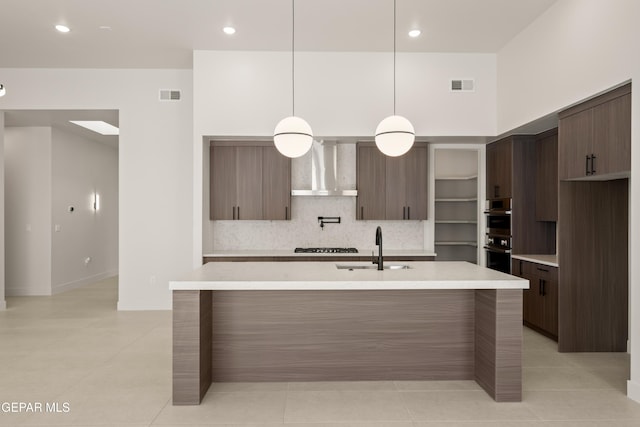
371	267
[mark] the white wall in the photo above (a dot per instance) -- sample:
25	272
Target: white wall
3	303
339	94
28	210
576	49
80	169
155	165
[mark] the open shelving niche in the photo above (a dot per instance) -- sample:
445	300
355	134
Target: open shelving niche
456	209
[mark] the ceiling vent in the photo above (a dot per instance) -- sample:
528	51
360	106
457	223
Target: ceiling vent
169	95
462	85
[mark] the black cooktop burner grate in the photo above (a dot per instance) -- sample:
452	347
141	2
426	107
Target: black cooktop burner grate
326	250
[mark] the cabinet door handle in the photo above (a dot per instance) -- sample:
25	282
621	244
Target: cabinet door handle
361	212
539	286
542	287
542	269
496	191
521	268
586	166
408	212
238	212
286	212
233	212
593	164
404	212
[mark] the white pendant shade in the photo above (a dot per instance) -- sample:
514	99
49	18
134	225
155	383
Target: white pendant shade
3	91
293	136
395	136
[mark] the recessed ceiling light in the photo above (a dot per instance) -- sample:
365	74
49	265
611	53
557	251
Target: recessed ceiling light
98	126
105	27
414	33
229	30
62	28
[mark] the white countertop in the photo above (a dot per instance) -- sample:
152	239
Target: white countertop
550	260
291	253
325	276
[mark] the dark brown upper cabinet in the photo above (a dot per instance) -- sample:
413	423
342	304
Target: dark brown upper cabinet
391	188
249	181
547	176
276	184
511	173
370	182
499	169
595	137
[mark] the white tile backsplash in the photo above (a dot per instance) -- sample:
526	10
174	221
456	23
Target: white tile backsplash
303	230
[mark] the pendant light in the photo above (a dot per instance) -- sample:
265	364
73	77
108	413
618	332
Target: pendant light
395	134
3	91
293	136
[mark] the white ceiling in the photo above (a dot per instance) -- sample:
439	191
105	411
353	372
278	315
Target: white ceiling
163	33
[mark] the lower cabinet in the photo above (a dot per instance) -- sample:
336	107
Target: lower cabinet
540	301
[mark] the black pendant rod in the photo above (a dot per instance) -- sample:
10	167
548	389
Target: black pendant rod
394	57
293	67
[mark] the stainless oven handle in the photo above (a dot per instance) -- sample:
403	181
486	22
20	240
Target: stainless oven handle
500	251
498	213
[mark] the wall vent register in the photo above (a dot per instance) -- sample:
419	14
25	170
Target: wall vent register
462	85
169	95
326	250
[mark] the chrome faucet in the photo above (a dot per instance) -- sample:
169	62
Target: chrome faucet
379	261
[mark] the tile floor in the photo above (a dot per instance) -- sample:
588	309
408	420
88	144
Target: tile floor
114	368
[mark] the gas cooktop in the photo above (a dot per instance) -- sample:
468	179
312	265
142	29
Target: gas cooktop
327	250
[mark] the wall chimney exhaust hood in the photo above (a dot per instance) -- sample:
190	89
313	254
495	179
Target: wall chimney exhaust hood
324	172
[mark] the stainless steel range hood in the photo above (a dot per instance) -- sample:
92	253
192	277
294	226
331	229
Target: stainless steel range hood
324	172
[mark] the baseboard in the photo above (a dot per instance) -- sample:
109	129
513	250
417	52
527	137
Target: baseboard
633	390
22	292
83	282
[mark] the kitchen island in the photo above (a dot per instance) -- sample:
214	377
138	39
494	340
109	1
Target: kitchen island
314	321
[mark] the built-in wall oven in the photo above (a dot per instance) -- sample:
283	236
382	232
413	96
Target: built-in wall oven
498	235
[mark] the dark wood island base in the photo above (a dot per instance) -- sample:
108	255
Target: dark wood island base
347	335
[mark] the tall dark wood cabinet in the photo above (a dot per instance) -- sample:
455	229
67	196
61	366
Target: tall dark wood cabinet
249	181
593	258
391	188
547	176
511	173
596	137
594	163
